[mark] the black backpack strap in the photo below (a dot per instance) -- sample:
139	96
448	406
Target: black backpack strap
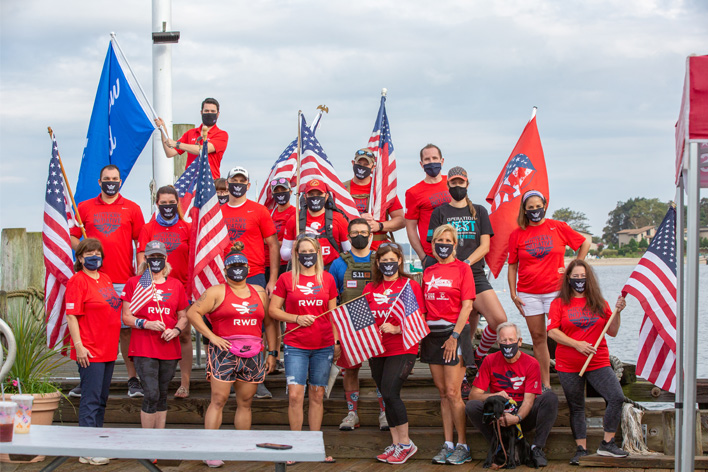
329	230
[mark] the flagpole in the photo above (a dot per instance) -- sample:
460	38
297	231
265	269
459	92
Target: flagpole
328	311
297	185
396	300
384	91
114	40
533	113
599	340
68	187
316	122
154	294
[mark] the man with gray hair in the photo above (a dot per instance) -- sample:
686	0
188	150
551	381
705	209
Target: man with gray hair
515	376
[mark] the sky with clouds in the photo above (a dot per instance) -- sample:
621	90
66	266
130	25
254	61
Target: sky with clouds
606	76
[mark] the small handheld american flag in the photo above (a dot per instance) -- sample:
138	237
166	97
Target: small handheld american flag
407	311
144	292
359	336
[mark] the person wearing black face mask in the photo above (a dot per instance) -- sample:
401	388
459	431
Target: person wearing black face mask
281	213
577	319
116	222
474	232
238	313
156	329
515	376
222	191
536	259
191	141
169	226
359	187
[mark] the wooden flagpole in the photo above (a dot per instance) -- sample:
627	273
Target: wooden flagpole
297	185
68	187
599	340
328	311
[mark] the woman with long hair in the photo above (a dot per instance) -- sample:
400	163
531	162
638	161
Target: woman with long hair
576	320
169	227
156	326
391	368
448	287
237	312
303	299
92	309
536	259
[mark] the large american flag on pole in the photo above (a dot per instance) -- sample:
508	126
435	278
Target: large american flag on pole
407	311
144	292
360	339
383	189
315	165
210	239
56	245
653	283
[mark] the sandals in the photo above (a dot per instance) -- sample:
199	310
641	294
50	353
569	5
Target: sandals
182	392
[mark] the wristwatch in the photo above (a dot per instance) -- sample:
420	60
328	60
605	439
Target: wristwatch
273	353
455	335
177	144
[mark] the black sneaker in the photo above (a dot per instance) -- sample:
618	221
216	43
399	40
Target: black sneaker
610	449
539	457
135	388
579	452
75	392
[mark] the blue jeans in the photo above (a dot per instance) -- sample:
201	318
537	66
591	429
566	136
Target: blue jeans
258	279
301	364
95	385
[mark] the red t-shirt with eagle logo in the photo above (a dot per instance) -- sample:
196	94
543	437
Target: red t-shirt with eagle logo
516	378
308	297
238	316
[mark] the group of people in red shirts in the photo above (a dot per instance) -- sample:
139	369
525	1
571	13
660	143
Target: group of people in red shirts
280	270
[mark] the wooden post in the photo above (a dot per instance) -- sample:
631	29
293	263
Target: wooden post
35	256
669	421
15	259
180	161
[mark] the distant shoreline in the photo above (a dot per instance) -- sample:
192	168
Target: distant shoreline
609	261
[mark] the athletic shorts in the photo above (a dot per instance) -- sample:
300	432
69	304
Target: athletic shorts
481	282
537	303
432	352
228	367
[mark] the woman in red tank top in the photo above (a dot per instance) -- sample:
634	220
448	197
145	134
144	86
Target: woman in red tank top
237	312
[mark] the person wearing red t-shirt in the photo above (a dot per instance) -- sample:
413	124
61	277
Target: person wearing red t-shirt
116	222
222	190
170	228
92	315
576	321
249	222
536	256
391	368
328	226
422	199
516	376
449	291
192	139
157	325
238	313
283	211
303	299
360	189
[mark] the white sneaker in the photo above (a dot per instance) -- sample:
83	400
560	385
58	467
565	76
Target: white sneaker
350	422
383	422
94	460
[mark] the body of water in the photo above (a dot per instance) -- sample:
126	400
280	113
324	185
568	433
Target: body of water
625	345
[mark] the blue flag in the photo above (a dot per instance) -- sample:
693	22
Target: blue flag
120	126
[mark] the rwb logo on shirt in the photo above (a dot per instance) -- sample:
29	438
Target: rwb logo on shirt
309	289
382	299
539	246
244	308
107	222
581	317
110	296
509	380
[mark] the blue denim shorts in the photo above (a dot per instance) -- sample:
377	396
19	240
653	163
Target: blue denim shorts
304	364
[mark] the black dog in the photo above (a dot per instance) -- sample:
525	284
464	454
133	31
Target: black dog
508	448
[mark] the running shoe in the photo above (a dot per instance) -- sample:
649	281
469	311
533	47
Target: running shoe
94	460
135	388
402	453
214	464
349	422
75	392
539	457
441	457
579	452
262	392
610	449
459	456
387	452
466	389
383	422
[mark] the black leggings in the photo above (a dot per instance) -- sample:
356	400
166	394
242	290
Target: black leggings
155	376
605	382
389	373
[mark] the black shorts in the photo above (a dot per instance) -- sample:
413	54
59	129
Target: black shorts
228	367
481	282
431	351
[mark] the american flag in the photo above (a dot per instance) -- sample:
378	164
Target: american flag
56	245
185	186
315	165
144	292
653	283
383	191
210	239
407	311
359	337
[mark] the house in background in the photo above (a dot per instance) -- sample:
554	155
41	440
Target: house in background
588	238
626	235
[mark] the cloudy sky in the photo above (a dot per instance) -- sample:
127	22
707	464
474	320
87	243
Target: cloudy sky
606	75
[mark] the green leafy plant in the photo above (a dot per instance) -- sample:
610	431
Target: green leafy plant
35	362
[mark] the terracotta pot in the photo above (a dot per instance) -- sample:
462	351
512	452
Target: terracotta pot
43	407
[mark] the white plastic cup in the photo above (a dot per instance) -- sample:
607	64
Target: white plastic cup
8	412
23	417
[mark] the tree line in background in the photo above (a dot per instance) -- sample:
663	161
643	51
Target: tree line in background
633	214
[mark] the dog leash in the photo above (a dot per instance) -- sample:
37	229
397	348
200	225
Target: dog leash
494	466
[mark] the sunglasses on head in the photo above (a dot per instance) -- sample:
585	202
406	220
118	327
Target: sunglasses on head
390	244
306	235
361	152
281	180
